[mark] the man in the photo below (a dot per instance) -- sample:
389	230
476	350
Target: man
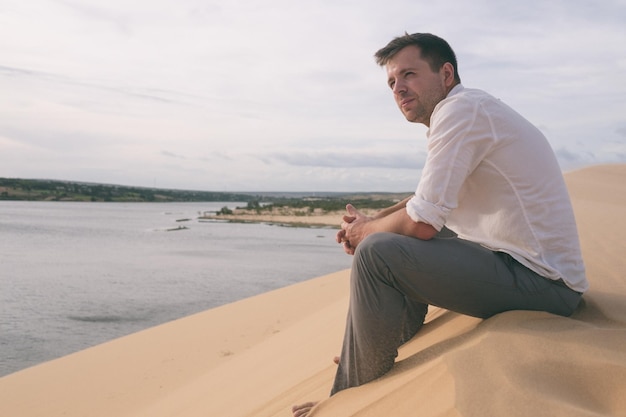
491	177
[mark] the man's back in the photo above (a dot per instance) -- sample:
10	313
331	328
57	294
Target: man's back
502	184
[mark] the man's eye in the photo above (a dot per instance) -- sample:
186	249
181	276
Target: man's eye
391	84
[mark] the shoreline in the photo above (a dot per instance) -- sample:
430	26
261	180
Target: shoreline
308	221
286	216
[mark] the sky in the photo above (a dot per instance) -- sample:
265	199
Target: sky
282	95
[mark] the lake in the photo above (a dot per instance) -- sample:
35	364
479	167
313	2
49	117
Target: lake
73	275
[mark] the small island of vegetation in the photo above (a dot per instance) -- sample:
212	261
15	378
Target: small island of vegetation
305	211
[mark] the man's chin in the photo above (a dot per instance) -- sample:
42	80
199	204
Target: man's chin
413	118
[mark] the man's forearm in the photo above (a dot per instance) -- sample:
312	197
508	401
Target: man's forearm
398	221
389	210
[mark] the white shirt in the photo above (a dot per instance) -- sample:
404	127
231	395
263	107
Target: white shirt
492	178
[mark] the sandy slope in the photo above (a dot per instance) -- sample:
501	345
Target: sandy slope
259	356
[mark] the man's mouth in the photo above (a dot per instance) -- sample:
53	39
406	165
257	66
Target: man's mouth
406	101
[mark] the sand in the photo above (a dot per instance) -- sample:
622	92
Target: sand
258	356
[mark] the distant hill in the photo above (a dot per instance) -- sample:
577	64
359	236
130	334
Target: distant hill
57	190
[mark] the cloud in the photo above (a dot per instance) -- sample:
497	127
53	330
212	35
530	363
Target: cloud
135	92
13	72
350	159
172	155
569	159
100	14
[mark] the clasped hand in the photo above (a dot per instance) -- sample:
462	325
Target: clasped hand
352	229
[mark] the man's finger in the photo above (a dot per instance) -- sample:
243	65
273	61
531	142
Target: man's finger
347	248
348	219
352	211
340	235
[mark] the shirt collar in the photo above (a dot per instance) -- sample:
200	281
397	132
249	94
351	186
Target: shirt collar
455	90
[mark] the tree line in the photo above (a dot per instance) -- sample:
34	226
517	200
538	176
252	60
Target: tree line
55	190
305	205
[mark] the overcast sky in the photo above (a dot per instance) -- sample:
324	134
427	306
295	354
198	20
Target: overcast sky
283	95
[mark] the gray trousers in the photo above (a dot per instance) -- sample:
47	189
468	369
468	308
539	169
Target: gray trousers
394	278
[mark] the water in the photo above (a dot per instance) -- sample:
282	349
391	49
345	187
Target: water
73	275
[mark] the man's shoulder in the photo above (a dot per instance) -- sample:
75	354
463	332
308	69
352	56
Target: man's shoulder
472	106
460	92
470	100
460	100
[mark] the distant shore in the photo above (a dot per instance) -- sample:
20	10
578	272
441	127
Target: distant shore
287	217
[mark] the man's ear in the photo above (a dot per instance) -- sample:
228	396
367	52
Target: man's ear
447	71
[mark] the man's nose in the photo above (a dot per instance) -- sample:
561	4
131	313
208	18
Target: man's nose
399	87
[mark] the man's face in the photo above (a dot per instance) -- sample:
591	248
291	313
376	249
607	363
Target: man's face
416	88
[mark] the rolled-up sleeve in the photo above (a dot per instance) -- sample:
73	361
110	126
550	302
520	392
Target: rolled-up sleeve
424	211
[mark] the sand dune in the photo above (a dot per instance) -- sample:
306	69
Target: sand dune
259	356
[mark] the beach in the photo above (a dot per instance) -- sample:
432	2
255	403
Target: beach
287	217
259	356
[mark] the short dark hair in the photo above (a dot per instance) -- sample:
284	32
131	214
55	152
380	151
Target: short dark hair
433	49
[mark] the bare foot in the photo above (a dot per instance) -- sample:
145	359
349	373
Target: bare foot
302	410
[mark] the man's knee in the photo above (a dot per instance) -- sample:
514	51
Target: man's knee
374	244
376	252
